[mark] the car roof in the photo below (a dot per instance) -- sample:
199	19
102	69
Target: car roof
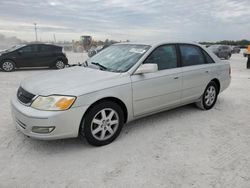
158	43
41	43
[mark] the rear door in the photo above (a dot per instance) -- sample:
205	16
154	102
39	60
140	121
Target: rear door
46	55
195	71
155	91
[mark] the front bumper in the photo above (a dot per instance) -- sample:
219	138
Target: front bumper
66	123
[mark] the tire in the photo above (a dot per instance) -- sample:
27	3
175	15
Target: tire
103	123
8	66
59	64
209	97
228	56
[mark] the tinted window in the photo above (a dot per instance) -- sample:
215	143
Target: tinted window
56	48
191	55
45	48
29	49
225	47
208	58
164	56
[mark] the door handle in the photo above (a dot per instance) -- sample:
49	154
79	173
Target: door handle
177	77
207	71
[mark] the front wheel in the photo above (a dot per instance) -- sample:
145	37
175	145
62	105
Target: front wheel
103	123
8	66
209	97
60	64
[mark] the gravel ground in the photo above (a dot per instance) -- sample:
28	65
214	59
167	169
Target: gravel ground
184	147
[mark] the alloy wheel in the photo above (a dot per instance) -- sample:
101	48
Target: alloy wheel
60	64
104	124
7	66
210	95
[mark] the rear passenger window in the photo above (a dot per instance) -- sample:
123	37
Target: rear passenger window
57	49
164	56
225	48
46	48
191	55
208	58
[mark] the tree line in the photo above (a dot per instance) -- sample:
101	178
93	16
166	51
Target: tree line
241	43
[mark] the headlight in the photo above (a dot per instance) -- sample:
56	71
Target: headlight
53	102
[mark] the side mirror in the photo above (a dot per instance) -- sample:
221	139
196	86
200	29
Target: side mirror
147	68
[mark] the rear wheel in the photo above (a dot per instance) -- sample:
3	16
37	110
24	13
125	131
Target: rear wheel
60	64
209	96
103	123
228	56
8	66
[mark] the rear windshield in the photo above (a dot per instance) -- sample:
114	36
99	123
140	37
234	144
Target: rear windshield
214	47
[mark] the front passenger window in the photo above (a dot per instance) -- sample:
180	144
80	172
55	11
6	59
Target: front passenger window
164	56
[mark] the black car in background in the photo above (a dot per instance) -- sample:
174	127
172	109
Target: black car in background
235	49
222	51
33	55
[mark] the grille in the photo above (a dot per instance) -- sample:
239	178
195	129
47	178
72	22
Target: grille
24	96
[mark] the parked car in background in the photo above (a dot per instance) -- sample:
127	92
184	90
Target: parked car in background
121	83
95	50
245	52
33	55
222	51
235	49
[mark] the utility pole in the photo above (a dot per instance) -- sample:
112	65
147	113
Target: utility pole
54	38
35	30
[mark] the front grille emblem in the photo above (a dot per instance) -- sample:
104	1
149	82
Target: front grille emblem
20	94
24	96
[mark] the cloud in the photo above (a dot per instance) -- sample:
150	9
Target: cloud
192	20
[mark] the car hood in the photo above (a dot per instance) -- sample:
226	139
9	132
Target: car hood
70	81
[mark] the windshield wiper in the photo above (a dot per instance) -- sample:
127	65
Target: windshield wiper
99	65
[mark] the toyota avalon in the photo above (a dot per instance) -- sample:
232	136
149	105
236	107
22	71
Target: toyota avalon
121	83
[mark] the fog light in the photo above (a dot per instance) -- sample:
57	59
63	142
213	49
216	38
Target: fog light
42	130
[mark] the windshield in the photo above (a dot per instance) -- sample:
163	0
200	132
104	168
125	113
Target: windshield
13	48
119	58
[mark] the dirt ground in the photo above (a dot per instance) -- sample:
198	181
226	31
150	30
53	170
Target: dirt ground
184	147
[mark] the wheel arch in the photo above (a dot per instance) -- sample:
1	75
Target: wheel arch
217	82
65	60
112	99
7	59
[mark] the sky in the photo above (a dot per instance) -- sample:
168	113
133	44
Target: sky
135	20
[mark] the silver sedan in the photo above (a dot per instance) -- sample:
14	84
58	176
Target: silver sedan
122	83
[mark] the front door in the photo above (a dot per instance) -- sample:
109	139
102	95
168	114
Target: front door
156	91
28	56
